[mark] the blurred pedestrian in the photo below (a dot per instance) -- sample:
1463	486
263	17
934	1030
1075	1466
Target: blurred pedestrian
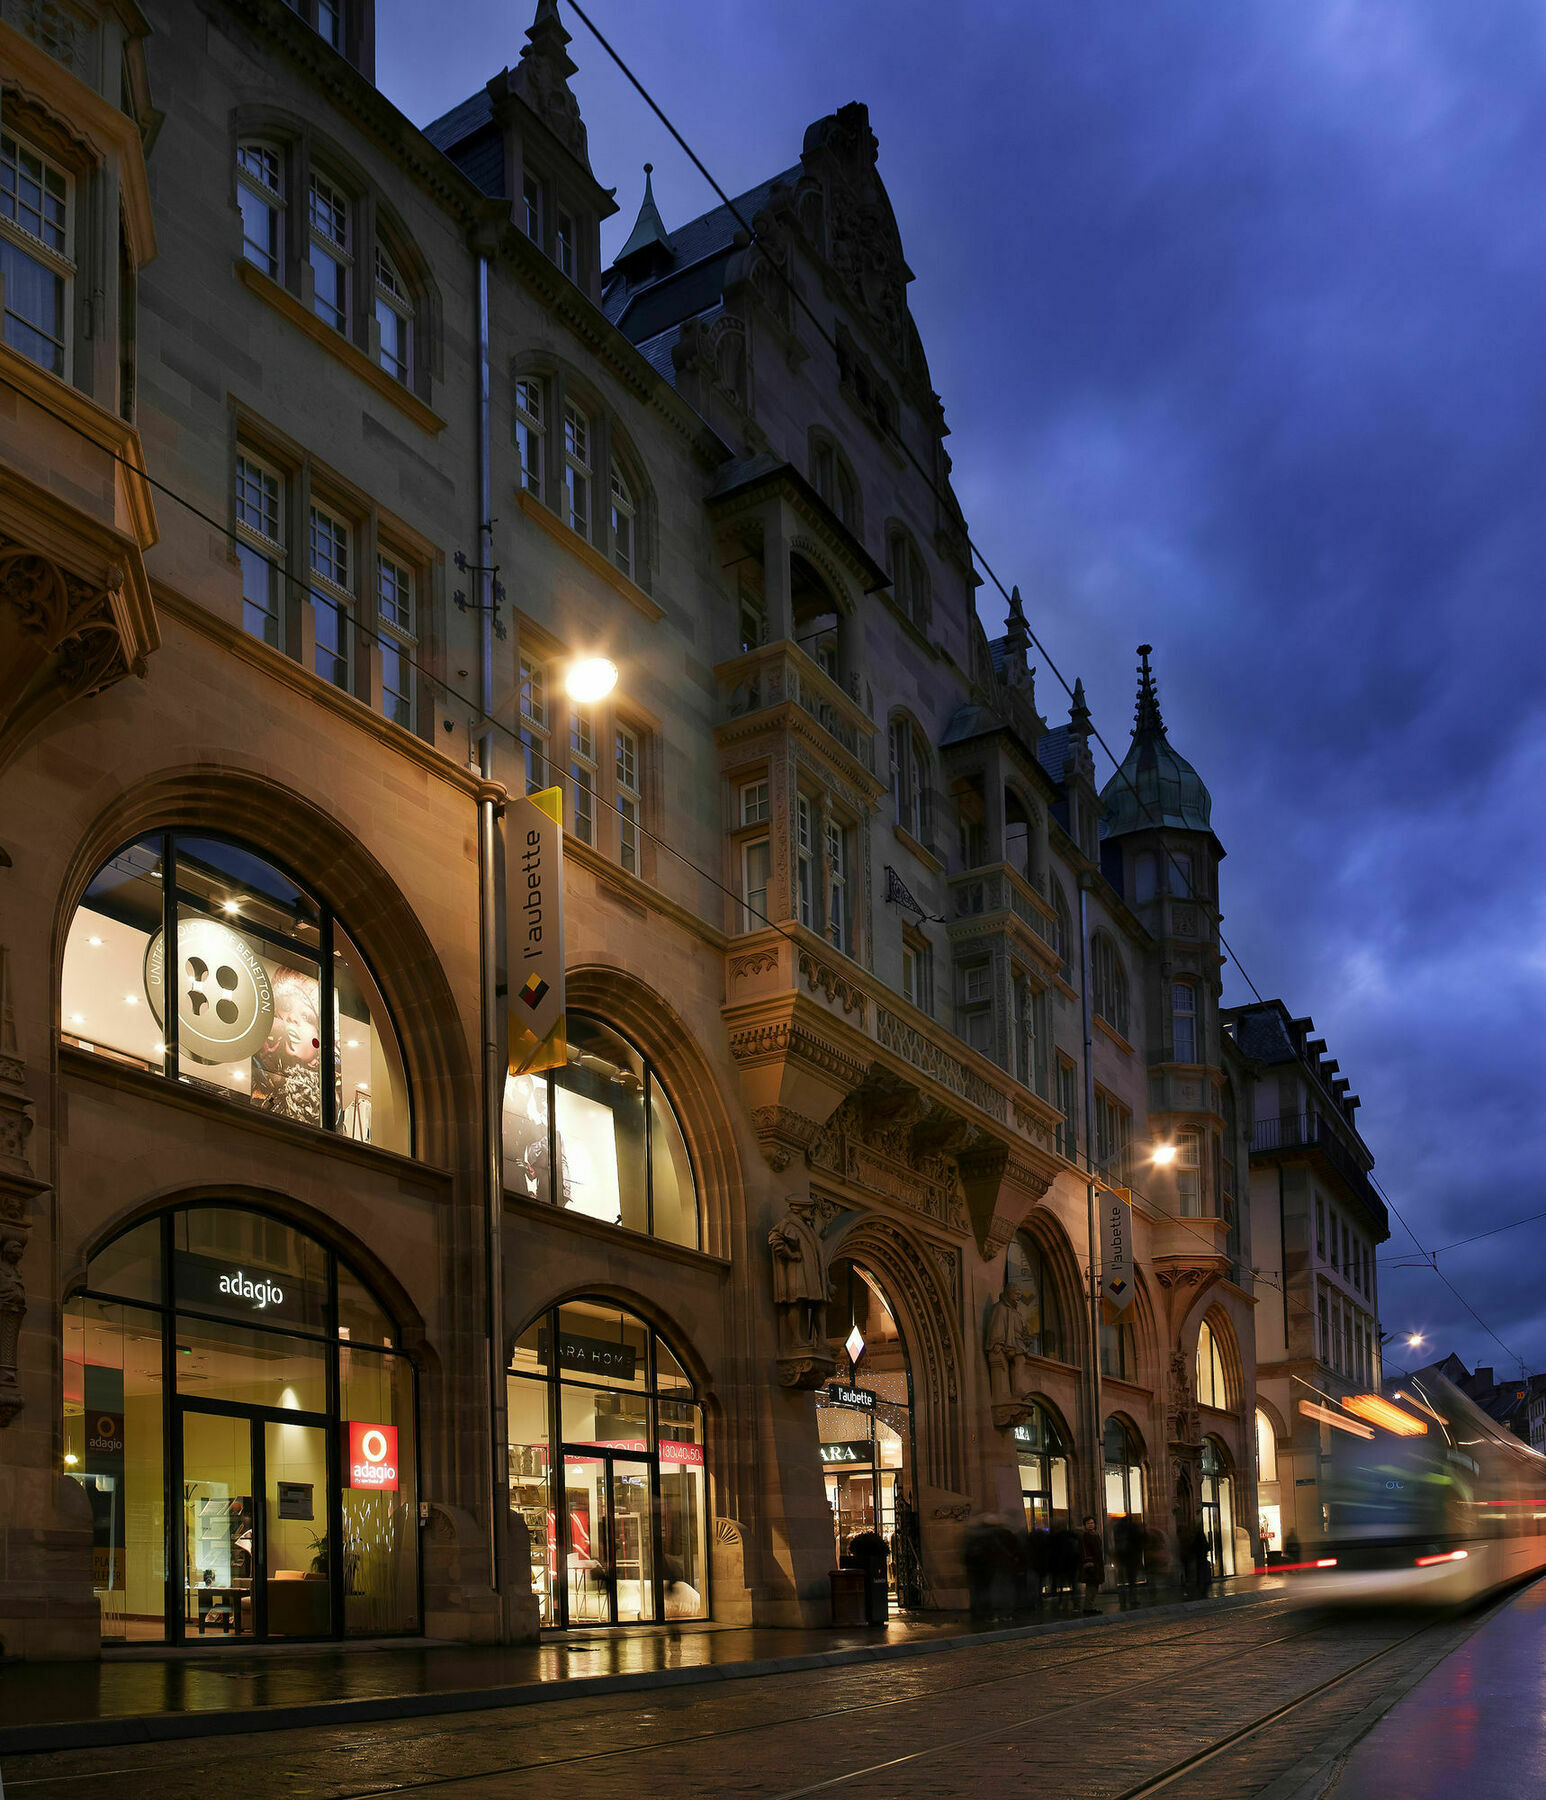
1063	1565
1092	1564
1038	1554
1156	1557
978	1553
1127	1542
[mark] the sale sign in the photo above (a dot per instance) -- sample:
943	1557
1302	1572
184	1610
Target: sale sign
373	1456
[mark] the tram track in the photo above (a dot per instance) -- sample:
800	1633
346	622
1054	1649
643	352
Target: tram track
1237	1642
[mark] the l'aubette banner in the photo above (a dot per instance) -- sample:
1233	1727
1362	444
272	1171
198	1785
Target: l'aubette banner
534	890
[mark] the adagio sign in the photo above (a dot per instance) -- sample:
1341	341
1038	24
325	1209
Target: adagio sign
372	1456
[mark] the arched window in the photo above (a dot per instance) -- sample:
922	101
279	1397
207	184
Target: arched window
834	479
1028	1273
1062	929
909	778
1119	1352
622	523
270	993
600	1137
909	576
1022	826
1043	1459
1266	1448
229	1382
1108	983
602	1412
577	469
1212	1388
1123	1458
1183	1020
394	318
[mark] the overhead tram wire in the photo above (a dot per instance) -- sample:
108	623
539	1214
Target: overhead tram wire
945	499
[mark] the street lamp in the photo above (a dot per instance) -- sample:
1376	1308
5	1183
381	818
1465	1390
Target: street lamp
1163	1155
590	678
1414	1339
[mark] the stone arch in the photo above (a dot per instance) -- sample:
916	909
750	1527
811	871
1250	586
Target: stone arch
825	567
672	1047
1047	1232
642	1306
276	1204
1130	1423
1056	1414
334	865
925	1314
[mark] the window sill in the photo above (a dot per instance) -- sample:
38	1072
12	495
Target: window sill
589	555
568	1220
919	850
337	346
1111	1032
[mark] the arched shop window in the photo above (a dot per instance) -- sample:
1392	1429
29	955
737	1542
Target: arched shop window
270	991
232	1391
603	1414
1028	1272
1218	1507
1212	1389
1043	1458
600	1137
1124	1471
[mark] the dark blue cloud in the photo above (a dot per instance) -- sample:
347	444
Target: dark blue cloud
1237	312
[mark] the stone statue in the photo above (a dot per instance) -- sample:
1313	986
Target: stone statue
805	1358
1007	1341
13	1307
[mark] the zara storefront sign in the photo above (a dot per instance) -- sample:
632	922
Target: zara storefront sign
593	1356
855	1451
373	1456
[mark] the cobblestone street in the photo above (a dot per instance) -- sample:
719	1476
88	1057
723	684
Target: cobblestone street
1221	1706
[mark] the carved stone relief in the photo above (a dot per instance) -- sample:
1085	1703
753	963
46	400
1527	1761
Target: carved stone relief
805	1359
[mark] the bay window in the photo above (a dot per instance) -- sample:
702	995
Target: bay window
35	253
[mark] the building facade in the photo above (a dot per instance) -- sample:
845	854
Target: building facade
1316	1224
329	449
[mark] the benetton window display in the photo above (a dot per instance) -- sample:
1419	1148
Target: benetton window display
231	1391
268	991
599	1403
599	1136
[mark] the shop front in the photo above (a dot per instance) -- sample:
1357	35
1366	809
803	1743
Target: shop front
1042	1456
244	1429
1218	1506
606	1468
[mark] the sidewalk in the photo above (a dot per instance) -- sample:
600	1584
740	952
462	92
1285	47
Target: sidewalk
133	1697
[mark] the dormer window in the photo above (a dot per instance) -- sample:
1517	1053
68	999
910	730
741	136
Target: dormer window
35	253
394	318
328	253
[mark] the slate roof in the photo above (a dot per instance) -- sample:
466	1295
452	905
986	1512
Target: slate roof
1052	752
1260	1033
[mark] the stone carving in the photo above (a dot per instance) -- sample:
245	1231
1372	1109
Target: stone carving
863	244
800	1296
871	1147
542	80
46	612
1009	1346
753	962
728	1531
1183	1416
903	1040
13	1308
963	1510
767	1043
55	29
838	988
782	1134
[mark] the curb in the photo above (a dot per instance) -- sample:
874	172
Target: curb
161	1727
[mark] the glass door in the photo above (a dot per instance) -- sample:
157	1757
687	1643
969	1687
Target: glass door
220	1551
631	1523
609	1508
587	1560
298	1587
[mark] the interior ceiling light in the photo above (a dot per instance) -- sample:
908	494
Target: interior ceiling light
1312	1409
231	906
1380	1411
854	1344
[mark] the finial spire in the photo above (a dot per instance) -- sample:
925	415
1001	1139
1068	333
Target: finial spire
649	231
1017	631
1147	717
1079	712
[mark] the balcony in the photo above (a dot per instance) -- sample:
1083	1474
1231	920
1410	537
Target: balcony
781	676
999	888
1307	1132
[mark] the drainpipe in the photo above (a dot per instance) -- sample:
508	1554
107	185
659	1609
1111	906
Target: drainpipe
490	912
1097	1465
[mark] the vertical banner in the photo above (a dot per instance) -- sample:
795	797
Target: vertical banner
534	879
1116	1252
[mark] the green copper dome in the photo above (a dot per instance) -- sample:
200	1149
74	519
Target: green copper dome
1155	785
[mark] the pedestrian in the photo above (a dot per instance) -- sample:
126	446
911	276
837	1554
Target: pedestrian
1127	1542
1291	1550
1264	1534
1200	1564
1038	1552
977	1553
1092	1564
1064	1565
1156	1558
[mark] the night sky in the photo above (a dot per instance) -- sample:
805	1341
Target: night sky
1237	315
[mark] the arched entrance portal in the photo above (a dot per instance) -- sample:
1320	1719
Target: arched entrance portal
232	1396
865	1426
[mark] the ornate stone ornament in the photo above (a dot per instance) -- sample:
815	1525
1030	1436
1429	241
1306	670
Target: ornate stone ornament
805	1359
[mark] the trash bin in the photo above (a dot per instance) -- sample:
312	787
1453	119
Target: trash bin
868	1553
847	1596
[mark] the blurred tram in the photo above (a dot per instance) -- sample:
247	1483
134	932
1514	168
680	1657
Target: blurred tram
1427	1499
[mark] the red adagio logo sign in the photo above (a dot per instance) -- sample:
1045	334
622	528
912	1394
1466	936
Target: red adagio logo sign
373	1456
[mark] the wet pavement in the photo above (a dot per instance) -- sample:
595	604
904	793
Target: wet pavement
135	1696
1475	1726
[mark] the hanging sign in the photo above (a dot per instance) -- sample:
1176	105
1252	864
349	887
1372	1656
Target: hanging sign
1116	1252
594	1356
534	903
840	1394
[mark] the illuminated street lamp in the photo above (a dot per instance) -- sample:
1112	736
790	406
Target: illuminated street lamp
1163	1155
590	678
1414	1339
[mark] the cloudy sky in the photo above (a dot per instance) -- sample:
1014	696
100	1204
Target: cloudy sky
1237	311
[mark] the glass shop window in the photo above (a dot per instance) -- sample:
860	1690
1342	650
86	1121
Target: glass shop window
268	991
600	1137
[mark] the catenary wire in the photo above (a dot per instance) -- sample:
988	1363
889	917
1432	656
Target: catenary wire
952	511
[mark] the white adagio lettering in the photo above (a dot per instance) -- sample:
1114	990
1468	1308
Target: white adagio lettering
262	1293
